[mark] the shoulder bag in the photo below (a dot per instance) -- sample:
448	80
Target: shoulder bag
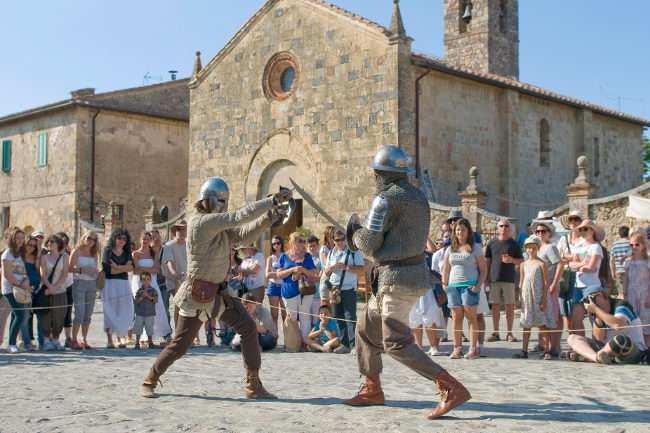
40	300
568	276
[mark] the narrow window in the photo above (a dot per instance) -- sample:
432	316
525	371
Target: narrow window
4	218
6	156
596	156
544	144
42	149
503	16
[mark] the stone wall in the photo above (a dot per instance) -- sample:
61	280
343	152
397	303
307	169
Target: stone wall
325	134
41	197
139	157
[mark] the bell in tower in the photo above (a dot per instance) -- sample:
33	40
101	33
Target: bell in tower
491	43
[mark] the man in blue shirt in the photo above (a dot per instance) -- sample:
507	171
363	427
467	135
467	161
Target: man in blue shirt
324	337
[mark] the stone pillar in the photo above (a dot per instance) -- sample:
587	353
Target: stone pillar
152	216
472	199
112	220
580	191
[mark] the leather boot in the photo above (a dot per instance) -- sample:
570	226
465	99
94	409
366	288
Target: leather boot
370	393
148	387
254	388
452	394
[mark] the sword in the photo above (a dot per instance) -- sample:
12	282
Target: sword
310	200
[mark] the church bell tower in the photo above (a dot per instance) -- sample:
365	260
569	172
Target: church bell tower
483	35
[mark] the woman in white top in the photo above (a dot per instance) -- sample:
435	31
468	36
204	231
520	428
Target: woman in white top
67	323
328	243
54	274
15	274
274	286
83	265
145	260
252	268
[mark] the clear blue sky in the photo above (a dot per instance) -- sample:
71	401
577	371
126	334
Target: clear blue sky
591	49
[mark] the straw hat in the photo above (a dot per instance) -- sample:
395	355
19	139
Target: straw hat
533	240
599	232
564	219
546	223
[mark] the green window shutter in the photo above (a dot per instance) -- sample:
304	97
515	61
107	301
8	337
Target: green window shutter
6	156
42	149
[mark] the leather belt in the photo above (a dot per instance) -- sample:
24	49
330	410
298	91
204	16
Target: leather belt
410	261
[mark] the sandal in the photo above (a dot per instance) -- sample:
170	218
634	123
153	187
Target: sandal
86	346
573	356
511	338
121	346
472	355
548	356
494	337
522	355
457	353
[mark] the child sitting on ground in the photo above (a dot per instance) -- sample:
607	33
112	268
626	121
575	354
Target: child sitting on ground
533	283
324	337
145	309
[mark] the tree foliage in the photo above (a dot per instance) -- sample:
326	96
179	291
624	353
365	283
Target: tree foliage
646	157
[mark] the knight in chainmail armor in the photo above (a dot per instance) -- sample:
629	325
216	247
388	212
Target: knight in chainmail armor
394	237
212	231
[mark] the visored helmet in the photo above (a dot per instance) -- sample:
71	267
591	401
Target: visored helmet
215	190
392	159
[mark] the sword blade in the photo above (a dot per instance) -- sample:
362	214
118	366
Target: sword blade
310	200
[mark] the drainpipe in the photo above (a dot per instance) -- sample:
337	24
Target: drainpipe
92	165
417	123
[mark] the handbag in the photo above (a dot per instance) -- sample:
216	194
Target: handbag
22	296
305	288
292	335
39	299
440	295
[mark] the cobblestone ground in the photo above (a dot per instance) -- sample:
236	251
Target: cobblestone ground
96	391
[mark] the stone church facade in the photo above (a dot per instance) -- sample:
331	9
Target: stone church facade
309	91
64	163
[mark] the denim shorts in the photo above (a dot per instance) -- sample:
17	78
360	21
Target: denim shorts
461	296
576	296
274	290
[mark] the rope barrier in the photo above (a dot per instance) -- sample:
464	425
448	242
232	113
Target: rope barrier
560	331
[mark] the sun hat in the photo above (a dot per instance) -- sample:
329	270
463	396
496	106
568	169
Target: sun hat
454	214
564	219
533	240
546	223
599	232
544	215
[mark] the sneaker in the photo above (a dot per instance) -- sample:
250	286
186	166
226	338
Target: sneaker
48	346
12	349
436	352
342	350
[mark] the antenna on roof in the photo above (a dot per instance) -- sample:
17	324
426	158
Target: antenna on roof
173	74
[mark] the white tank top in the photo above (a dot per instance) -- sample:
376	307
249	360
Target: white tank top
85	262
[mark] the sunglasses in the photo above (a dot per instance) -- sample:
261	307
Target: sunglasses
584	229
504	225
275	243
635	245
541	231
339	240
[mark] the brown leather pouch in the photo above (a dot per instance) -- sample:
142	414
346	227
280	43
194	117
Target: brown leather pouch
204	292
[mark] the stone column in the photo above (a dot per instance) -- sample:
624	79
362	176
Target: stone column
112	220
472	199
153	215
580	191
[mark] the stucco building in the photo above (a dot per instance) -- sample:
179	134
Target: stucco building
308	90
64	162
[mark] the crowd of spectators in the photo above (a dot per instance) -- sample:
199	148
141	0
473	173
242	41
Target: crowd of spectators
556	274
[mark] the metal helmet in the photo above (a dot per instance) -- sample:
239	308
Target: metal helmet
215	190
392	159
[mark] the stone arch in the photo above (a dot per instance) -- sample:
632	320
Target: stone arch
281	155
